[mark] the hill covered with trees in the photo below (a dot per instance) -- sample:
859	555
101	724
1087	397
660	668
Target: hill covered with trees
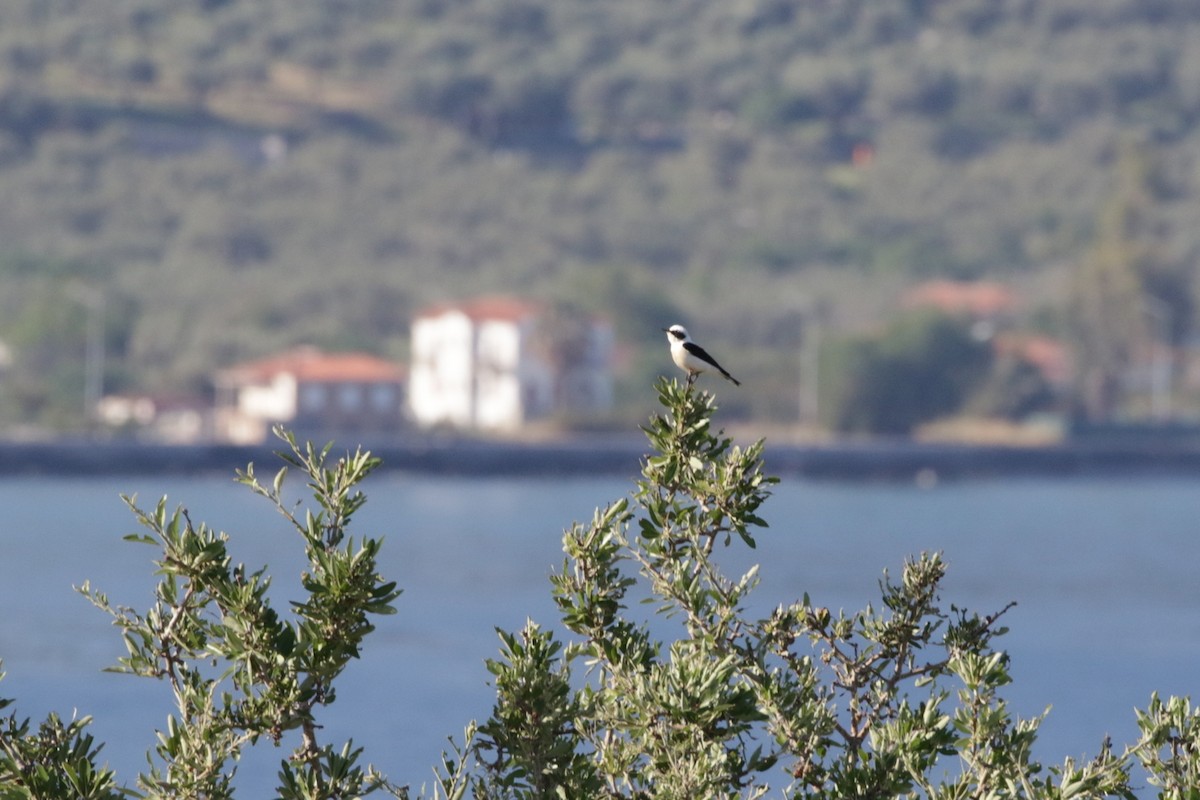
242	175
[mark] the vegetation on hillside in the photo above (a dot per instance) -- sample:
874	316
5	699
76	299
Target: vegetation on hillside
240	175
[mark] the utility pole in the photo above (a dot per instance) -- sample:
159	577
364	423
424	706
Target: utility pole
92	299
1160	368
812	313
810	370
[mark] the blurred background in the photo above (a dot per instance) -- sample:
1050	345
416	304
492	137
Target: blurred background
970	219
952	220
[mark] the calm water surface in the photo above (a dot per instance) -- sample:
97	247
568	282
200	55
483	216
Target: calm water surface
1104	572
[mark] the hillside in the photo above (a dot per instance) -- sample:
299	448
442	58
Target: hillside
243	175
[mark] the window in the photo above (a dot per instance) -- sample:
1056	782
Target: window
383	398
312	397
350	397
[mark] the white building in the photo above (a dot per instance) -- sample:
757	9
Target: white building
313	393
173	419
497	363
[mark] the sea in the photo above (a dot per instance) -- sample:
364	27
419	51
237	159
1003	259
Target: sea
1105	572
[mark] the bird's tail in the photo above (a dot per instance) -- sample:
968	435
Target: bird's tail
729	377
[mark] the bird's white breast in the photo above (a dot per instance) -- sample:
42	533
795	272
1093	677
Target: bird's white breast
685	360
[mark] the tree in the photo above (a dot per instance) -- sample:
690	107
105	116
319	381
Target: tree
924	365
58	760
240	671
899	700
903	699
1120	285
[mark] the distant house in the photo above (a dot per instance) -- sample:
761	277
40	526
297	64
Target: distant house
169	418
980	300
1048	355
311	392
497	363
993	306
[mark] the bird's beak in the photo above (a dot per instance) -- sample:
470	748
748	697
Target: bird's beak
666	330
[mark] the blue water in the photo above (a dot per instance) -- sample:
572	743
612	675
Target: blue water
1104	571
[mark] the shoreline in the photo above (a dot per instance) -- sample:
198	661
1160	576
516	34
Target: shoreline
866	460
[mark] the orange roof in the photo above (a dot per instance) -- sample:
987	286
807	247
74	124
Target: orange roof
978	298
311	364
1050	356
494	307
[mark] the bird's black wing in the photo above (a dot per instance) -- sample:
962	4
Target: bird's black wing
702	354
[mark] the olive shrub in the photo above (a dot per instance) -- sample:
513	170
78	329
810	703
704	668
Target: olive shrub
901	699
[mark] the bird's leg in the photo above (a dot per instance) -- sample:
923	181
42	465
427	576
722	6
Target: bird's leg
692	378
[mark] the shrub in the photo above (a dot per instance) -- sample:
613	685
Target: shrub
240	670
899	700
902	699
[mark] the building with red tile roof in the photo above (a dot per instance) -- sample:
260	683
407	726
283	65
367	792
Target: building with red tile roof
1048	355
977	299
313	393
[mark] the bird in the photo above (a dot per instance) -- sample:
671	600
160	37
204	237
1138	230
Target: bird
691	357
